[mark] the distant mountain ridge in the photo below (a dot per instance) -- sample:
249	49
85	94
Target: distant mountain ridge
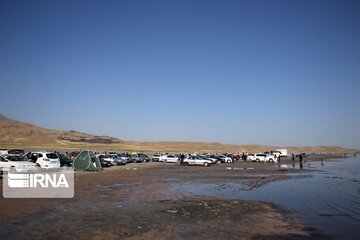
17	134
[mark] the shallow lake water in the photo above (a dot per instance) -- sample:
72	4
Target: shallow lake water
327	198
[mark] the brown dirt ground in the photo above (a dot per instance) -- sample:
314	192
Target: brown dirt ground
136	201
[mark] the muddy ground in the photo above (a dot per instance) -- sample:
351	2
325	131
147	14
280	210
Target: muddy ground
138	201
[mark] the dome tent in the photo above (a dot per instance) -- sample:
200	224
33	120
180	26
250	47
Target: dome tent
87	161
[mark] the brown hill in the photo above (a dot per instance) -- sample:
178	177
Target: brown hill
24	134
16	134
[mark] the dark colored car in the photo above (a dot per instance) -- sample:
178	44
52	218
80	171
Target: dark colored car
124	156
64	161
105	163
145	157
137	158
120	160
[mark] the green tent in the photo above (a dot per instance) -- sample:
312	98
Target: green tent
87	161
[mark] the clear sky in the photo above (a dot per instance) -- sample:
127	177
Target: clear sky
265	72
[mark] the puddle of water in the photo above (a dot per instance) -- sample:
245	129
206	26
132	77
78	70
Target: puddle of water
328	199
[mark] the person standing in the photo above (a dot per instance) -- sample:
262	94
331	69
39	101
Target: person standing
301	160
182	157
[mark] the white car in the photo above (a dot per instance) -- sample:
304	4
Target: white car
250	157
16	164
213	160
265	158
45	160
169	159
156	157
162	157
225	159
195	160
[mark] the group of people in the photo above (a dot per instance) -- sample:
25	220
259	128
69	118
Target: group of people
300	156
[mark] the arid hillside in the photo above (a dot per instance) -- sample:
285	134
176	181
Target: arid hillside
16	134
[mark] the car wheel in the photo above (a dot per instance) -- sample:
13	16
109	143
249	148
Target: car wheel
165	161
12	170
271	160
229	161
206	164
257	160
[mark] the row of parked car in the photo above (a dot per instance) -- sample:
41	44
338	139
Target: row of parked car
192	159
114	159
27	162
207	159
19	161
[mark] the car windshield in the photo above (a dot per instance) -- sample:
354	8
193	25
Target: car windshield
51	155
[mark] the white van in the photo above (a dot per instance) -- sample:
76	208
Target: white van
44	159
283	152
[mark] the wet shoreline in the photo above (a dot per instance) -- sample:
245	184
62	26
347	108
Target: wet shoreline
140	192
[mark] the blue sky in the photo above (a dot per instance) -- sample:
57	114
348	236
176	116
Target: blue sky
265	72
